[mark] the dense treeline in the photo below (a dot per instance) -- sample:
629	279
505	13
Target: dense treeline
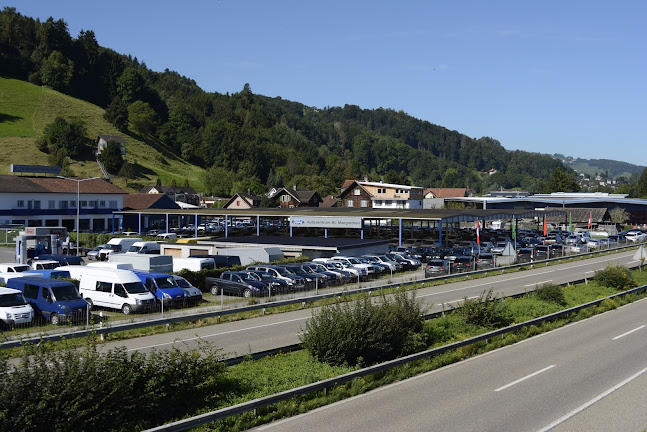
248	141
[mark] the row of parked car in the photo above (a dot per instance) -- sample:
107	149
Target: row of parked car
267	279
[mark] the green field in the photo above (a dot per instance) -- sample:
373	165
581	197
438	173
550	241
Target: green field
25	110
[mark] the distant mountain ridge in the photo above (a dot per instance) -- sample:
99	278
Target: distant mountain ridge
592	166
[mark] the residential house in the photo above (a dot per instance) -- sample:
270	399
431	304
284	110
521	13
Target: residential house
291	198
102	143
243	202
329	201
53	201
434	198
379	195
145	201
179	194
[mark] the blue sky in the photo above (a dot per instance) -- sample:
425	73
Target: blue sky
552	76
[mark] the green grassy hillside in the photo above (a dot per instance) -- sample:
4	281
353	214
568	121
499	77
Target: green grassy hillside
25	110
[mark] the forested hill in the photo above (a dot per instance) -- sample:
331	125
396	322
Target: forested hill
248	141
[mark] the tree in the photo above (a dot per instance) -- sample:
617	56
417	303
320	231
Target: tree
142	117
640	191
57	71
562	182
130	85
619	215
64	139
117	113
111	157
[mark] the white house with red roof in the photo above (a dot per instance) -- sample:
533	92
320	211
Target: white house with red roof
52	201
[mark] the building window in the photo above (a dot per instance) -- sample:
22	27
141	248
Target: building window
63	204
349	203
381	190
356	191
37	204
72	204
113	204
364	203
21	203
84	203
285	198
102	204
51	204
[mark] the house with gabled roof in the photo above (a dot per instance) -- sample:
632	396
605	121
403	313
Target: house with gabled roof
102	143
243	201
179	194
292	198
380	195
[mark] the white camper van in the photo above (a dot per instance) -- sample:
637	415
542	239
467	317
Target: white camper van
144	247
115	289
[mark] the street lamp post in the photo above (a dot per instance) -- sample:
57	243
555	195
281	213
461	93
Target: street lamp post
78	207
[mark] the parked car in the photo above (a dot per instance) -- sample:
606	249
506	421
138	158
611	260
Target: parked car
525	255
295	282
236	283
275	285
485	261
93	255
436	267
635	236
192	295
14	309
462	264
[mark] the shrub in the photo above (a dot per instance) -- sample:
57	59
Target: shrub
364	332
486	311
87	390
551	293
615	276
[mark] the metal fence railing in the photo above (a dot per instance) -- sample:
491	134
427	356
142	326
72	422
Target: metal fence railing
252	405
165	318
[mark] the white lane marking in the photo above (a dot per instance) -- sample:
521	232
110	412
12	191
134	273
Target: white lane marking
217	334
592	401
590	271
524	378
629	332
539	283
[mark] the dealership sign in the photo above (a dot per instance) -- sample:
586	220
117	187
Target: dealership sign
325	222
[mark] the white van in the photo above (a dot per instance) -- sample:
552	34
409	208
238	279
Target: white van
13	267
145	247
117	244
193	264
115	289
14	309
4	277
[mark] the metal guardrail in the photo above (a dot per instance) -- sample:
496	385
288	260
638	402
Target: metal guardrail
252	405
223	312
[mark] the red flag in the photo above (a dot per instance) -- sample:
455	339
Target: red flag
590	220
478	237
545	226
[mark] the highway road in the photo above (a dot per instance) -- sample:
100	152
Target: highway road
587	376
273	331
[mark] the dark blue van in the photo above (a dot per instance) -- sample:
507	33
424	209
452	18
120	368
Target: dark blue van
163	286
56	300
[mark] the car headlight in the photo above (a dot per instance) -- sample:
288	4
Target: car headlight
138	301
166	295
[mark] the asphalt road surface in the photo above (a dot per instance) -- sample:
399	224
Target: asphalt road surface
273	331
587	376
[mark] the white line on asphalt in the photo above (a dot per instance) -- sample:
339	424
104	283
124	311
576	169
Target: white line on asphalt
590	271
629	332
524	378
217	334
592	401
539	283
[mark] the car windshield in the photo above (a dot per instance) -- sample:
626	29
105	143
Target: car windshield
183	283
354	261
135	288
47	266
65	292
13	299
166	282
282	271
256	276
247	277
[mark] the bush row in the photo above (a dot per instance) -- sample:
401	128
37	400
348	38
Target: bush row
116	391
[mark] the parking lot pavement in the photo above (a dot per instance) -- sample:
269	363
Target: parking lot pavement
7	254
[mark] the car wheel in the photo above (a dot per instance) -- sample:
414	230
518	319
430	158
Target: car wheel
247	292
126	309
54	319
214	289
